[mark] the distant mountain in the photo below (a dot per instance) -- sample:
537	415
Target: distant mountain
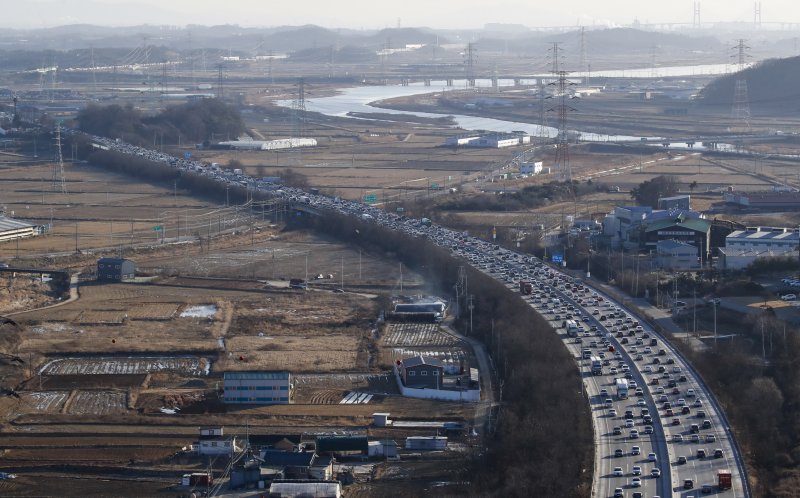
771	85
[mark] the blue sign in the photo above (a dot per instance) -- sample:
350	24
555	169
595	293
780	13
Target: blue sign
557	258
187	155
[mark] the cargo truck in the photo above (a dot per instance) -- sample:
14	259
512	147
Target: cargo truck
622	388
525	287
597	365
572	328
724	479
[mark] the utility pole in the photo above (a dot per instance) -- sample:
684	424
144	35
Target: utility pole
469	64
471	307
716	303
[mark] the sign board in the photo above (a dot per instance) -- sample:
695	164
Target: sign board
157	228
557	258
401	210
187	155
434	186
370	198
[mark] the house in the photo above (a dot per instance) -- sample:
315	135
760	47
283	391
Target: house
385	448
305	489
292	465
422	372
217	446
115	270
257	387
533	168
283	442
321	468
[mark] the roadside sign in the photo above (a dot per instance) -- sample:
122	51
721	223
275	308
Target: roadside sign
557	258
370	198
187	155
401	210
434	186
157	228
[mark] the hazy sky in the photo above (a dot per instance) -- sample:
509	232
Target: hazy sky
369	14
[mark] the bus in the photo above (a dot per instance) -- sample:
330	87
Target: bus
622	388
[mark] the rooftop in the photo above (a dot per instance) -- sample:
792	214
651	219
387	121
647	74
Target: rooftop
422	360
277	375
12	224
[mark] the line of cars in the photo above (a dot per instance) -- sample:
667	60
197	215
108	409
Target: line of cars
618	338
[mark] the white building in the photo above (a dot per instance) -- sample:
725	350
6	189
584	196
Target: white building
217	446
11	229
531	168
674	255
763	239
737	259
257	388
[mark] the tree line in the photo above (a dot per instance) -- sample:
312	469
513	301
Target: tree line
197	121
542	439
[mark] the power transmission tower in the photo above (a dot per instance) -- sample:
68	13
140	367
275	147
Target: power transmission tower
469	64
582	61
94	69
561	109
696	17
59	182
757	15
219	81
562	140
740	113
299	110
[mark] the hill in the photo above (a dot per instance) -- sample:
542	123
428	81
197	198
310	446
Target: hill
771	86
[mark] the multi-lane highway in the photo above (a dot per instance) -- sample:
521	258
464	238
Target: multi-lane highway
666	438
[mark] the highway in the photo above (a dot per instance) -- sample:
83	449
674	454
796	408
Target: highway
674	415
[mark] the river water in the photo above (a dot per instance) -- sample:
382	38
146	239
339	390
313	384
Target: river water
359	100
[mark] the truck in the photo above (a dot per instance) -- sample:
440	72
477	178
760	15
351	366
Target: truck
622	388
238	172
572	328
724	479
297	283
597	365
525	287
587	353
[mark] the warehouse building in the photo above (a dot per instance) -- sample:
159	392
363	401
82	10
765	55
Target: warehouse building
115	270
11	229
731	258
674	255
257	388
763	238
689	230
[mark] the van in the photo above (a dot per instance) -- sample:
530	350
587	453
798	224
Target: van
701	453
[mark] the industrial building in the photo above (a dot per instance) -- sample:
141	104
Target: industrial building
285	143
764	239
533	168
11	229
257	388
686	229
738	259
767	199
491	140
115	270
674	255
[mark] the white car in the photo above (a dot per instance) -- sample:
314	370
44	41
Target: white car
617	471
636	470
635	450
789	297
636	482
652	457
